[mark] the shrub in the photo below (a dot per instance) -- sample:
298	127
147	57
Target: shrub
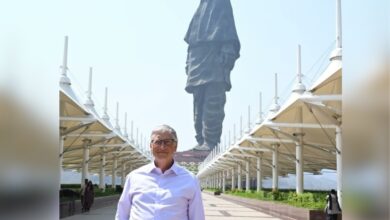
311	200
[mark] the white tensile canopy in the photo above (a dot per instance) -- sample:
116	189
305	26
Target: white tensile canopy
309	118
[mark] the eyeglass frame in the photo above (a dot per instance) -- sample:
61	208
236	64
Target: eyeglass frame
163	141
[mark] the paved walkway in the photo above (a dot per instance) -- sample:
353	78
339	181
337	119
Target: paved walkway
215	209
218	209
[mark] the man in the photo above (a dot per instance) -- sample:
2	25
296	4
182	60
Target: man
213	48
162	189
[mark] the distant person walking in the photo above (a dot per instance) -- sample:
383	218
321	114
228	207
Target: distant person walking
82	193
89	196
332	209
162	189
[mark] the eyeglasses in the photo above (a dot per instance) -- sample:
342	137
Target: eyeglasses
166	142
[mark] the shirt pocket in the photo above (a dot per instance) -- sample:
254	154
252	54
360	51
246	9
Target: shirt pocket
175	198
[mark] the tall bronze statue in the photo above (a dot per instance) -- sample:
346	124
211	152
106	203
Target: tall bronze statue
213	48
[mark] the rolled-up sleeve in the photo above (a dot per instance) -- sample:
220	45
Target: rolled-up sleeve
195	207
124	204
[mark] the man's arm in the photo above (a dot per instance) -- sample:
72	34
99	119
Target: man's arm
195	208
229	55
124	204
187	62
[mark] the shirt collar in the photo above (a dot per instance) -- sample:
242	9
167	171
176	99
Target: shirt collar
174	168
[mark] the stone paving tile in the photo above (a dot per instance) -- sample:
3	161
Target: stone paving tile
97	214
249	214
215	209
230	211
213	212
238	218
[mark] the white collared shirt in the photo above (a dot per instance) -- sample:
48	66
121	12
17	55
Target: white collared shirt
150	194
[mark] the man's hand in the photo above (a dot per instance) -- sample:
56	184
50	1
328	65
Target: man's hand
228	52
228	60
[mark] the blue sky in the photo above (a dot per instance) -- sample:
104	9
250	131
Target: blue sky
136	49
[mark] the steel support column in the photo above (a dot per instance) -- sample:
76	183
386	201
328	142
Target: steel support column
259	173
247	179
339	147
233	178
84	170
275	173
113	176
61	156
102	184
299	163
123	174
239	174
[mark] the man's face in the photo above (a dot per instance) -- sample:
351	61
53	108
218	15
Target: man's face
163	146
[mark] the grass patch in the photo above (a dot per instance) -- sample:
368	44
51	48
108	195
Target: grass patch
310	200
